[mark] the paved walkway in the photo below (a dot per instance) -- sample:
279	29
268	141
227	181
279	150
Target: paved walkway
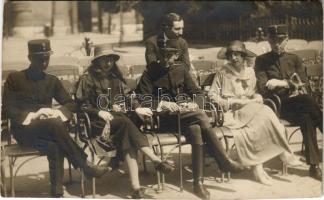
33	181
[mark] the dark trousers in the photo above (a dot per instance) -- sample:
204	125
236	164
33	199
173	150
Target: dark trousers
198	131
305	112
51	138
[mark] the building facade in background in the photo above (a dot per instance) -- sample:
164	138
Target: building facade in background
47	18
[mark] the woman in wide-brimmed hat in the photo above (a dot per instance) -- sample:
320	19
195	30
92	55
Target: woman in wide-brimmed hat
102	93
258	133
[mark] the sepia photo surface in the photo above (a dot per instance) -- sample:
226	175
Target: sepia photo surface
162	99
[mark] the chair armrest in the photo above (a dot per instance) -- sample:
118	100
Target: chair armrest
271	104
6	126
84	119
218	113
277	101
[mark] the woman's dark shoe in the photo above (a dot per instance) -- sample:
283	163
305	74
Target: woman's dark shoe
94	171
57	196
164	167
315	172
201	191
137	194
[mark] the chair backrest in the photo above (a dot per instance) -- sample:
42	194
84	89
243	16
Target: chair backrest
296	44
135	70
204	65
317	44
67	74
314	70
131	83
205	80
5	74
307	55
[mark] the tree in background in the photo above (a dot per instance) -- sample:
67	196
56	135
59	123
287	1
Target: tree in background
201	12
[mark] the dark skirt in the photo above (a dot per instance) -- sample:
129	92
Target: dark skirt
124	133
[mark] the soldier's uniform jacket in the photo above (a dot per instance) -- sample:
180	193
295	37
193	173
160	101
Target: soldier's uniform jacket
273	66
152	52
28	91
174	81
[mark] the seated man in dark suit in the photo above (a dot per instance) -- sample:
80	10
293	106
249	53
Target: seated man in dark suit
276	73
27	100
168	83
172	28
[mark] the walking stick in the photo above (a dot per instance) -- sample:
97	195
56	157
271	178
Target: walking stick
180	150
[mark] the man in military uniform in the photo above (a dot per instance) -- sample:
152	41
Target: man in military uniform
276	73
172	28
171	88
27	100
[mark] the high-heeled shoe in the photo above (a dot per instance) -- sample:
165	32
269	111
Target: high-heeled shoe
137	194
164	167
290	160
261	176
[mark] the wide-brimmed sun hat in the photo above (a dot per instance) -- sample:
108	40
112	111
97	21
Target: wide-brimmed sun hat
235	46
104	50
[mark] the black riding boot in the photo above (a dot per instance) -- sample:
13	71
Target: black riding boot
56	170
198	172
224	162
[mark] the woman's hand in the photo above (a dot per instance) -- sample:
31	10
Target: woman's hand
116	108
106	116
170	106
44	113
144	112
273	83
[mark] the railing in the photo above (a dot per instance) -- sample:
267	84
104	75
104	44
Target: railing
220	32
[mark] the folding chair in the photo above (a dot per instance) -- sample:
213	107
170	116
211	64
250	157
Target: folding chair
84	134
159	139
13	151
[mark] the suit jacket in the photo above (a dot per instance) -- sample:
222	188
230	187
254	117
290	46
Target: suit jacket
152	52
28	91
158	82
273	66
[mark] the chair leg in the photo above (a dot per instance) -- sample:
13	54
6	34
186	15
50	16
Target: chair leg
3	181
228	177
156	150
93	179
82	184
284	169
12	181
70	172
94	188
162	175
144	164
158	175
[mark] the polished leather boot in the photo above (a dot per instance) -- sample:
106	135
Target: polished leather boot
224	162
198	172
55	159
315	172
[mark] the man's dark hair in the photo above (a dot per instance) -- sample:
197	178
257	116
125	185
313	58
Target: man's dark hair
169	18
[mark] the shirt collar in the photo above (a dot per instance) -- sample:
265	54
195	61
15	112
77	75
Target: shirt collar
165	37
34	74
242	75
